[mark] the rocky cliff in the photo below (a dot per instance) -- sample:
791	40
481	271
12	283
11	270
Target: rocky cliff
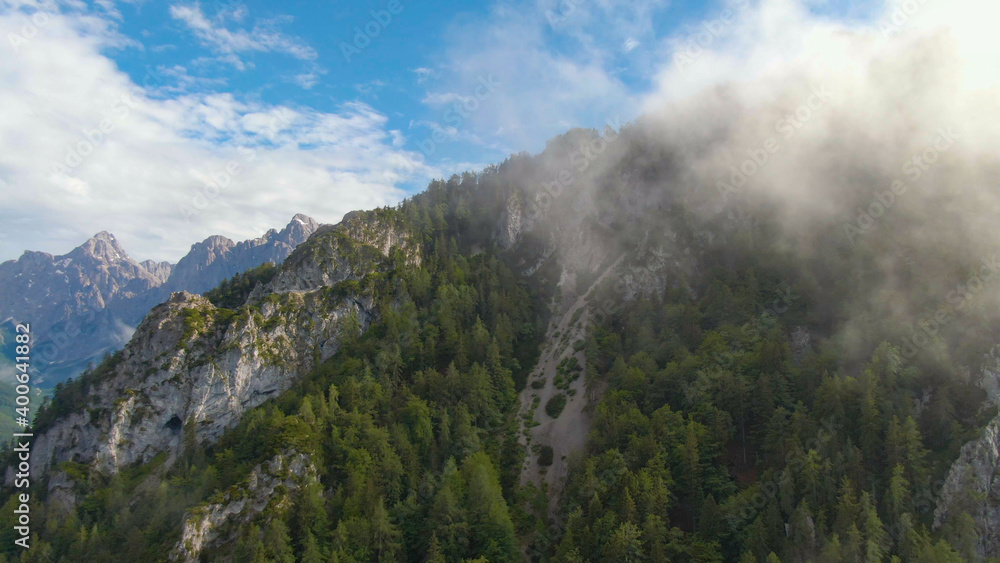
973	482
270	484
191	365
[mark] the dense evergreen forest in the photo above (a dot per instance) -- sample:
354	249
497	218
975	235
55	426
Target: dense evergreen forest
731	420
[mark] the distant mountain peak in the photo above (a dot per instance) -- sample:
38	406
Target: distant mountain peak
217	257
103	247
304	219
214	241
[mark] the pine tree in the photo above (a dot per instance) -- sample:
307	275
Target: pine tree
710	523
277	543
434	553
311	553
832	551
385	536
625	544
848	509
898	499
803	538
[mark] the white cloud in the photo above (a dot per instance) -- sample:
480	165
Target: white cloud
893	83
307	80
578	63
772	38
423	74
230	44
109	8
443	98
557	62
176	79
162	146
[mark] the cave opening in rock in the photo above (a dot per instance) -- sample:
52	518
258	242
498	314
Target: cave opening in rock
175	424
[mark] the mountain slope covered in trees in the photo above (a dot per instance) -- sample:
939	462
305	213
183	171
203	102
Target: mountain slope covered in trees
751	383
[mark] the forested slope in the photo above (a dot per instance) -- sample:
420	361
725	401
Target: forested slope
751	385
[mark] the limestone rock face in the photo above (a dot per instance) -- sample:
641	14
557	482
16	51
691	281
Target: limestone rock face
213	524
508	230
187	366
193	367
341	252
974	478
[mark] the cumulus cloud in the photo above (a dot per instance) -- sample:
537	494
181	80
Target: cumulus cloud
85	148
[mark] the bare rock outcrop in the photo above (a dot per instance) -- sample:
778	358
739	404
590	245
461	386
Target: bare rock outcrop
214	523
973	482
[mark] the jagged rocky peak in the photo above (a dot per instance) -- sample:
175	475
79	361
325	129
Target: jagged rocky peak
324	261
301	223
206	252
103	247
44	287
187	363
218	258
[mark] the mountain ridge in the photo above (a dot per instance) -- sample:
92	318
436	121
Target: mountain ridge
83	304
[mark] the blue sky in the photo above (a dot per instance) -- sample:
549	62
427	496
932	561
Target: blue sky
308	55
228	117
